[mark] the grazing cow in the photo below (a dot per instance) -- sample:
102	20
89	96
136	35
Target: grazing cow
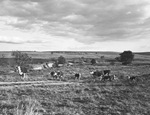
132	78
22	71
53	74
108	77
70	64
60	65
49	65
37	68
114	77
106	72
59	74
77	76
96	73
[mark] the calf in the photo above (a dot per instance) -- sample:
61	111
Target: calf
77	76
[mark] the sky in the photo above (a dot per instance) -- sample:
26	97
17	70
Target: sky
75	25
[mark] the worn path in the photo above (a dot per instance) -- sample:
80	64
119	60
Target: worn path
36	83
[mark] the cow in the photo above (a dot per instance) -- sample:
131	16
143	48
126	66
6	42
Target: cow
132	78
108	77
37	68
77	76
106	72
57	75
53	74
96	73
22	71
49	65
60	65
70	64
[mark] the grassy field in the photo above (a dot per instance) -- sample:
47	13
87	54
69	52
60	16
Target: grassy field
87	96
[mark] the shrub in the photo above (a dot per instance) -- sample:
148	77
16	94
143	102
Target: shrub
93	61
61	60
126	57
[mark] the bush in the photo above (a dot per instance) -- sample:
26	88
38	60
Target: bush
93	61
61	60
126	57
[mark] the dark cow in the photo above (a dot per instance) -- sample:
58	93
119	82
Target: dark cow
132	78
96	73
106	72
57	75
53	75
77	75
108	77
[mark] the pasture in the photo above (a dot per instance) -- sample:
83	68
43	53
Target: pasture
41	94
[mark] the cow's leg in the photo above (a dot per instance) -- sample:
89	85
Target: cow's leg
101	77
110	78
60	77
24	76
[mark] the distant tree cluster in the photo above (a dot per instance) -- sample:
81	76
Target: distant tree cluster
126	57
61	60
93	61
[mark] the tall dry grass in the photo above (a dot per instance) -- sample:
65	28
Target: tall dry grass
29	106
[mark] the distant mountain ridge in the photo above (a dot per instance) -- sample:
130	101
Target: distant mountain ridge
142	53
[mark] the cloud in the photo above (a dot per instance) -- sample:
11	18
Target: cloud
86	21
17	40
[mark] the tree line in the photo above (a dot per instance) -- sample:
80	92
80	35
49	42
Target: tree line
23	59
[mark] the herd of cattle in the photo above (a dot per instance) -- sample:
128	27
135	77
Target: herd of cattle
58	75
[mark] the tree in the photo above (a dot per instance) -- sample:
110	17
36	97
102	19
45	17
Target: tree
61	60
93	61
126	57
21	59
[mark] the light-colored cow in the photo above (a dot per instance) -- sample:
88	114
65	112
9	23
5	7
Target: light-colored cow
70	64
49	65
37	68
